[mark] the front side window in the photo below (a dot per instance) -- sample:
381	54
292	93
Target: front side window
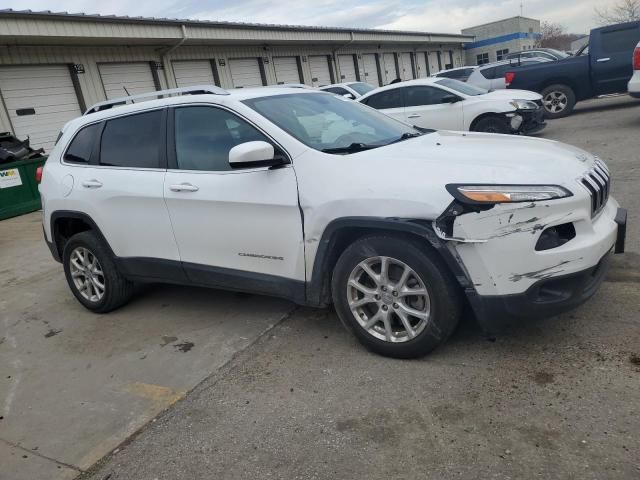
361	87
205	135
388	99
134	141
336	90
418	96
82	145
330	123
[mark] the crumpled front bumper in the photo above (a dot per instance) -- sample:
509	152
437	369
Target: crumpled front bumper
512	280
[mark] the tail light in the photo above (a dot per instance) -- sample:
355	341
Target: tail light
39	174
508	77
636	58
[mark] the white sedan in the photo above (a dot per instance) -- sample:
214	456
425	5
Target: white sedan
447	104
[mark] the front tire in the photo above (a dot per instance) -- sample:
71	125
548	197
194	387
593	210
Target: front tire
491	124
397	297
92	274
558	101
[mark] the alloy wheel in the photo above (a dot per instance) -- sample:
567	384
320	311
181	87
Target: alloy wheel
388	299
555	102
87	274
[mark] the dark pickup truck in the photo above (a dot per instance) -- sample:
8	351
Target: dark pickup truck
604	67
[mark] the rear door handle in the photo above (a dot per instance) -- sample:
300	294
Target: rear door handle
602	60
183	187
415	115
92	183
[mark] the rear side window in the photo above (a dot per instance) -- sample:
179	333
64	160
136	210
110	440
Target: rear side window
388	99
619	40
336	90
417	96
488	73
82	145
133	141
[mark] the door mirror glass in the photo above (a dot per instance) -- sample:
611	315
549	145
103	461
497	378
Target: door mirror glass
253	154
450	99
349	96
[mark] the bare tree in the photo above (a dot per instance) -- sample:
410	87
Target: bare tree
623	11
554	35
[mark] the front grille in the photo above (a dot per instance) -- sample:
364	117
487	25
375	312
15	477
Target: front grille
597	181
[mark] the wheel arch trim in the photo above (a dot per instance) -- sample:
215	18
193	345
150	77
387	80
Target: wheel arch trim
77	215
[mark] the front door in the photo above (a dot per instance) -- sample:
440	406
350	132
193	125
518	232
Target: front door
425	107
230	224
611	68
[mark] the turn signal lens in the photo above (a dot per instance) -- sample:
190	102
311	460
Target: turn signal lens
507	193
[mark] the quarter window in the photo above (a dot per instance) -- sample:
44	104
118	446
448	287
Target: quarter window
388	99
82	145
133	141
205	135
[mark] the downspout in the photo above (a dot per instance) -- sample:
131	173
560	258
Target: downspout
335	56
164	57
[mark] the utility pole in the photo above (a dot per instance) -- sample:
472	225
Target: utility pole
521	8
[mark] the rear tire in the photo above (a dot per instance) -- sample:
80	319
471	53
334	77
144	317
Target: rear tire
405	312
558	101
491	124
92	274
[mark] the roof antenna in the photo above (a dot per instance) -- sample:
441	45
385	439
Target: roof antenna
127	92
521	8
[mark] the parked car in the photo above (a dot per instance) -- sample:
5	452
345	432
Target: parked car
447	104
634	84
490	76
393	225
602	68
458	73
548	53
351	90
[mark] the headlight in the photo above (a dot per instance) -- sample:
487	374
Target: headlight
507	193
524	105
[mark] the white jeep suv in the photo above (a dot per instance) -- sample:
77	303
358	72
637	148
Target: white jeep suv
304	195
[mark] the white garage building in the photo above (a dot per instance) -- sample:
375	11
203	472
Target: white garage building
55	65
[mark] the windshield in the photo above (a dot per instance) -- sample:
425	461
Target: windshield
558	53
461	87
361	87
330	123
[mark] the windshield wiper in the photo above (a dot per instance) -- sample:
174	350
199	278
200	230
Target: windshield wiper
353	148
405	136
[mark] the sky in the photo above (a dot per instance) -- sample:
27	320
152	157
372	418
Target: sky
448	16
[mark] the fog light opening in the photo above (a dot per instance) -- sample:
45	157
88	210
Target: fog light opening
554	237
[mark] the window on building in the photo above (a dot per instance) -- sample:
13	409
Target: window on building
482	58
502	54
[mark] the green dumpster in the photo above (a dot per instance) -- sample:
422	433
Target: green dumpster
18	188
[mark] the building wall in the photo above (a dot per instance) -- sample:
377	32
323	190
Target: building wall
514	34
92	90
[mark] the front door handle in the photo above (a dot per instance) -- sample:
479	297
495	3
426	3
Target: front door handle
93	183
602	60
183	187
415	115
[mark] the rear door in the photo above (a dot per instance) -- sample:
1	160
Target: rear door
424	107
119	182
611	53
39	101
229	221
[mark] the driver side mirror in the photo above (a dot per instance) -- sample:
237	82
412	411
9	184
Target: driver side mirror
254	154
451	99
349	96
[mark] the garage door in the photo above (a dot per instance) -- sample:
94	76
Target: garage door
433	62
406	71
347	68
245	72
421	65
123	79
370	67
320	72
39	101
193	72
286	70
390	72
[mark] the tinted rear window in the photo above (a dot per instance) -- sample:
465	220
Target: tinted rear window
620	40
388	99
133	141
82	145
